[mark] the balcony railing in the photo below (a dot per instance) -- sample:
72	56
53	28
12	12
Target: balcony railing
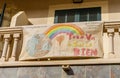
11	45
10	38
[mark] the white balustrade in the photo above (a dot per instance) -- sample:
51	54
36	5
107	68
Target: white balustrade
111	43
8	51
16	37
105	45
9	38
5	48
110	32
1	45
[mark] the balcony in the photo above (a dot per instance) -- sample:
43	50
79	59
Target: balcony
11	42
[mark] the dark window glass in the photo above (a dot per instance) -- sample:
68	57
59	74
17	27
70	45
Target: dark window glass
94	14
60	16
83	15
70	16
78	15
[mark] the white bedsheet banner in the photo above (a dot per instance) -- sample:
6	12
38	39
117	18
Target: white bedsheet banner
81	40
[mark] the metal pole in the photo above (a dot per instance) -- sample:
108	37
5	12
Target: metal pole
2	14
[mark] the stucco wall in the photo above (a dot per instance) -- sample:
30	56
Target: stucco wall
38	10
102	4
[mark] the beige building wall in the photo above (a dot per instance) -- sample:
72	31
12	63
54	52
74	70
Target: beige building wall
114	10
9	11
42	11
87	4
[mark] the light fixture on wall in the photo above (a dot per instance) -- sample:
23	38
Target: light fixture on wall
77	1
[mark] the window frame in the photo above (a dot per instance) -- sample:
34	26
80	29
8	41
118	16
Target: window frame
76	13
102	4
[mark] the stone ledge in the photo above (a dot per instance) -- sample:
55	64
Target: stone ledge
60	62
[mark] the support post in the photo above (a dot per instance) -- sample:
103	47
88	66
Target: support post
5	47
16	37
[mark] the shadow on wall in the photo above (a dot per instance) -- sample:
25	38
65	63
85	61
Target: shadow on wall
114	10
114	6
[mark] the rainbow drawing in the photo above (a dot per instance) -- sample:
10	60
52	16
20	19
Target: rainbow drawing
53	31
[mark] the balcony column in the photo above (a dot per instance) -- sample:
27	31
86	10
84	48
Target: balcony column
1	44
105	45
5	47
111	41
8	51
0	37
119	30
15	45
110	32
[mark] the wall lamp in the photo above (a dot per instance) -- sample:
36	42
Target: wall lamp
77	1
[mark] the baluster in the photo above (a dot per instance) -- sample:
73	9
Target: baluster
119	31
110	32
5	47
0	37
116	44
111	41
105	45
15	45
8	51
1	45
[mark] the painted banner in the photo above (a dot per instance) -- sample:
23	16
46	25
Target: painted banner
62	40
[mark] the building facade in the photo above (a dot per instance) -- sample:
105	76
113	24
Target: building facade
40	13
29	13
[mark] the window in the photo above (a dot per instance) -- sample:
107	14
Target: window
78	15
